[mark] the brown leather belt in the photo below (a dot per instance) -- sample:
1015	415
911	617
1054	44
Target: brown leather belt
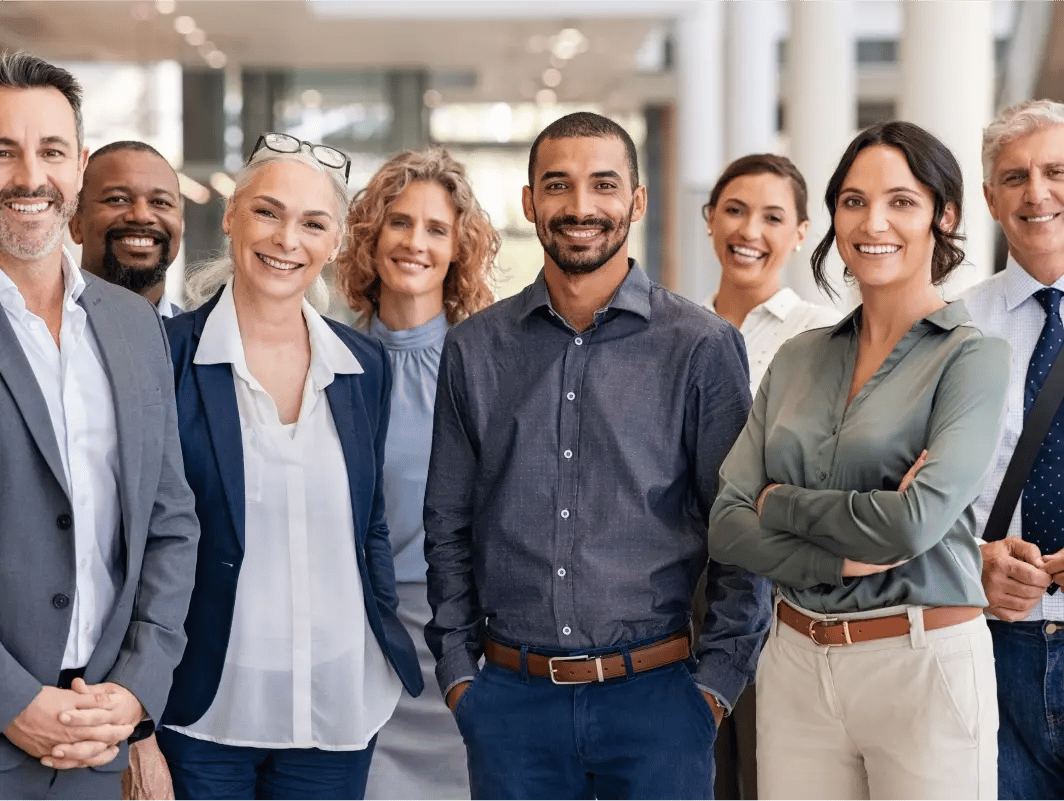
832	631
582	669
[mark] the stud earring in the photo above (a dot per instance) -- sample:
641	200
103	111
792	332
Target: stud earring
797	248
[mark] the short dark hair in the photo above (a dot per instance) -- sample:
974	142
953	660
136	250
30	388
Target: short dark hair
580	124
932	164
23	71
125	144
762	164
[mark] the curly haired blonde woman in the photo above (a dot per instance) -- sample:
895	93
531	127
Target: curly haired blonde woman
419	256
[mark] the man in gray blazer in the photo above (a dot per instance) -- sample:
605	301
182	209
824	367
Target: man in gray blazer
98	533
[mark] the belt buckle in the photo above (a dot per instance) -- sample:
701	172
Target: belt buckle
829	621
578	658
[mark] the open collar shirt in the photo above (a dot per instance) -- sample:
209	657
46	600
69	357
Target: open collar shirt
1004	305
77	391
300	637
773	322
571	478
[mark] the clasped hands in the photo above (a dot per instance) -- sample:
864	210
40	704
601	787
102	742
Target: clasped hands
1016	575
76	728
850	567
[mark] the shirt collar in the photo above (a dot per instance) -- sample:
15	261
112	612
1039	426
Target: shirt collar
633	295
947	318
73	286
1021	285
220	343
782	303
165	306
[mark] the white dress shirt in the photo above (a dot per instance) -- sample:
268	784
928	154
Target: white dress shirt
1004	305
165	306
77	391
303	668
769	325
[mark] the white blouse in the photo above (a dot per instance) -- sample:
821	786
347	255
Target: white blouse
303	668
769	325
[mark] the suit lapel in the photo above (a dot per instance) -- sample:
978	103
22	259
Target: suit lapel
340	395
217	392
22	384
126	390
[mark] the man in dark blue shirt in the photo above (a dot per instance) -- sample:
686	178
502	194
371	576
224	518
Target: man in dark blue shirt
578	432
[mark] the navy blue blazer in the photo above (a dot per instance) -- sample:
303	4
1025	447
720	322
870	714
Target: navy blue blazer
209	425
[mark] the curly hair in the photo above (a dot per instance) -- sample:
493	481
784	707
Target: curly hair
465	289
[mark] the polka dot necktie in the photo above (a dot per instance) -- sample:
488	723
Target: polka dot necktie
1043	496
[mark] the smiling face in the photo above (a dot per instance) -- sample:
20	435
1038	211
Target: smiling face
883	221
40	171
581	202
284	226
755	228
417	244
1025	195
129	219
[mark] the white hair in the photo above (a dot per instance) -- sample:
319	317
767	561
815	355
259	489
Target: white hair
208	277
1016	121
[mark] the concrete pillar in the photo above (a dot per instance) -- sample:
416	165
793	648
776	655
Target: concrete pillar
820	117
947	69
751	78
700	127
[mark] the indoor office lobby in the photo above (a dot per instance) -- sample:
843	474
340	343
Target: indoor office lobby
714	94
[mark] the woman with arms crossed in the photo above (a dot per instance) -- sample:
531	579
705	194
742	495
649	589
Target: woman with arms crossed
851	486
420	252
756	218
295	655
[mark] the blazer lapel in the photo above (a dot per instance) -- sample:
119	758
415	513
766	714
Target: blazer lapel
340	395
17	374
217	392
126	390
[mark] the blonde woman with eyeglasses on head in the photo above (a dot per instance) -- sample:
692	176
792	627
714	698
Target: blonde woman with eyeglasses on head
295	655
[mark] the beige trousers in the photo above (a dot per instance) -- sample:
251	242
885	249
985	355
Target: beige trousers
903	717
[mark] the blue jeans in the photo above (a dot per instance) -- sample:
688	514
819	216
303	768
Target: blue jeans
1030	678
202	769
649	735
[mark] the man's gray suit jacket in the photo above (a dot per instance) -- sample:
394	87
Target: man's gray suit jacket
143	639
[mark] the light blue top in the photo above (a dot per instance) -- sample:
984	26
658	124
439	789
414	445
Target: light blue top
415	357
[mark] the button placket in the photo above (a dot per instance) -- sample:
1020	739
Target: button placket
568	482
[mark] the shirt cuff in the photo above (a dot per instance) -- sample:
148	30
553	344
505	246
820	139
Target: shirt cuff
720	699
717	675
457	665
777	510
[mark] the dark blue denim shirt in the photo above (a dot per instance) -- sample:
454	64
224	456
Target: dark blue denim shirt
571	479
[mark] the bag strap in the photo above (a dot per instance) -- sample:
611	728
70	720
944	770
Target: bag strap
1035	428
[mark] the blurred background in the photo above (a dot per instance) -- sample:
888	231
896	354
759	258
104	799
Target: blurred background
695	83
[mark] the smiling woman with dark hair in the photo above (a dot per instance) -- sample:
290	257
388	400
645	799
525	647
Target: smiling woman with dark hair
852	486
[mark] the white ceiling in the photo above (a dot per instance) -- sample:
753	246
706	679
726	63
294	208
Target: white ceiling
490	39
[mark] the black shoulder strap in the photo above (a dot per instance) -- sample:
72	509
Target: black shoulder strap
1035	428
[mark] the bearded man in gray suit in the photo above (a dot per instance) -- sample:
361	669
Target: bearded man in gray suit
98	533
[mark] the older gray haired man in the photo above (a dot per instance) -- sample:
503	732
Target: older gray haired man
98	532
1023	181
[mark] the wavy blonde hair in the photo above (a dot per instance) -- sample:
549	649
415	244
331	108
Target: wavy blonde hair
465	289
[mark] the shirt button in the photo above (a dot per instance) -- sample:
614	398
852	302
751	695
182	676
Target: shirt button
568	454
821	475
561	572
60	601
566	630
565	514
64	522
570	395
579	341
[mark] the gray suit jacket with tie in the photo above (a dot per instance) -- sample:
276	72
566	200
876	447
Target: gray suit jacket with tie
143	639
